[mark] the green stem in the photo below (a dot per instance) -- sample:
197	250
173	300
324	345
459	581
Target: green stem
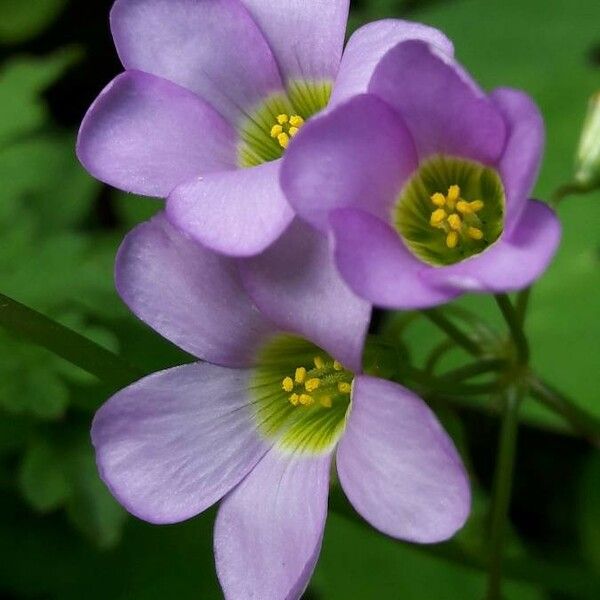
66	343
452	331
580	421
515	326
568	189
481	367
502	491
437	354
522	305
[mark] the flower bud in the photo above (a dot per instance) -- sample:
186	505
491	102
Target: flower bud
587	163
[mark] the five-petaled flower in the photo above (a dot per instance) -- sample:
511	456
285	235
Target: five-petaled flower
261	428
424	183
213	92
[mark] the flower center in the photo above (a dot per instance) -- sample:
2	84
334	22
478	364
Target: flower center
267	131
450	209
456	217
302	396
286	128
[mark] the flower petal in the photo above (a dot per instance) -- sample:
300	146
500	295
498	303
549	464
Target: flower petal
172	444
296	285
514	262
369	44
212	48
306	37
189	294
269	530
357	155
520	163
237	213
398	467
377	266
146	135
443	108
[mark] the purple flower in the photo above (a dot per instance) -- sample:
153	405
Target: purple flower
423	183
213	93
260	429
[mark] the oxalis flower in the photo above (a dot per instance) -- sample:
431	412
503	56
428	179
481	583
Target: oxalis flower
213	93
259	423
424	182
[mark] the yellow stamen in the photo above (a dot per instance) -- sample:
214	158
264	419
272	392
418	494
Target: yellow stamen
474	233
476	205
452	239
293	131
283	119
300	375
464	207
312	384
276	131
284	140
294	399
296	121
306	400
455	222
326	401
437	216
438	199
287	384
344	388
453	193
337	366
319	362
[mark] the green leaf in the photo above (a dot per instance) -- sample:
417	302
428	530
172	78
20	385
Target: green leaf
21	21
42	477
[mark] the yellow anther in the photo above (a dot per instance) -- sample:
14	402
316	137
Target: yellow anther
283	119
474	233
437	217
296	121
464	207
293	131
344	387
294	399
300	375
312	384
455	222
438	199
284	140
319	362
453	193
325	401
276	131
476	205
306	400
337	366
287	384
452	239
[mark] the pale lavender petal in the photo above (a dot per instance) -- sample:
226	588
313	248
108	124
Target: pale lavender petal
443	108
376	264
359	155
172	444
296	285
237	213
369	44
269	530
522	157
398	467
306	37
514	262
146	135
211	47
189	294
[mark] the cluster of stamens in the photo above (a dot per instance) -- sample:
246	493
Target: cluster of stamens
457	217
286	128
321	384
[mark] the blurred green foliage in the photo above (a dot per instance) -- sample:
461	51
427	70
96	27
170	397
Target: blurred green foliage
63	535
